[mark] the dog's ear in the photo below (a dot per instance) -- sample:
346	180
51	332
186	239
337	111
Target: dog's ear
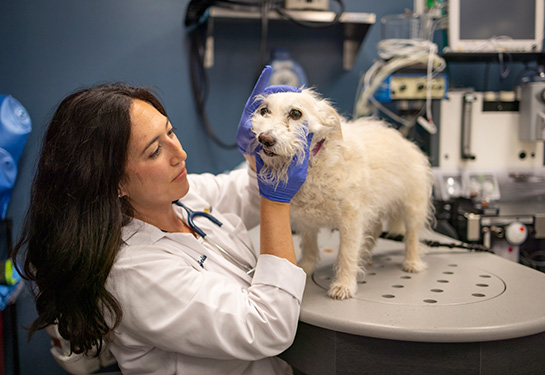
325	113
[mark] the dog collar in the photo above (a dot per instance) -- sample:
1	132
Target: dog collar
317	147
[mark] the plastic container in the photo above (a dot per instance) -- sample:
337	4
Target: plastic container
15	125
407	26
8	174
286	71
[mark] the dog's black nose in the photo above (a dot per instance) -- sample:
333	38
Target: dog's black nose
266	140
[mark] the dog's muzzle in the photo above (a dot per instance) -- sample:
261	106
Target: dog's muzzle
267	142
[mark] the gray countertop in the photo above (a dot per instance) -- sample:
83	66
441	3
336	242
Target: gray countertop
462	296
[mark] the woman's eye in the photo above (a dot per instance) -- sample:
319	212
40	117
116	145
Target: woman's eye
171	131
155	153
264	111
295	114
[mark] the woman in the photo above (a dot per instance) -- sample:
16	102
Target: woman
113	257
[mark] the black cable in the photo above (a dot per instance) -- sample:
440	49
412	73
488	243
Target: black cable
485	76
199	85
265	8
196	20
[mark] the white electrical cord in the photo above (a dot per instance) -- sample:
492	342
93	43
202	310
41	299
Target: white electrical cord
401	53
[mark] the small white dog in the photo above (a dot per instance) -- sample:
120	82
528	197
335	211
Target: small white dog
360	174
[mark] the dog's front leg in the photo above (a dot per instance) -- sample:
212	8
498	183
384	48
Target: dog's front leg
309	248
347	265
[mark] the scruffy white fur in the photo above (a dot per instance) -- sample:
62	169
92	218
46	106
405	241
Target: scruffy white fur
364	174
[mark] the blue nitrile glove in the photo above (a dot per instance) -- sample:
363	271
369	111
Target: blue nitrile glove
297	174
244	131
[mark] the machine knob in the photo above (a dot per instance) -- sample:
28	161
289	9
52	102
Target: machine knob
516	233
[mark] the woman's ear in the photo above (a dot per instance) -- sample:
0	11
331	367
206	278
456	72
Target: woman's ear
120	191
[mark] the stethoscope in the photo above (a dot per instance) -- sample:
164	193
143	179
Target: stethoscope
193	214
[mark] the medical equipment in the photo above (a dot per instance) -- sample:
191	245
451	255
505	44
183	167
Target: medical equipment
490	181
286	71
406	47
307	4
411	86
191	215
495	26
532	109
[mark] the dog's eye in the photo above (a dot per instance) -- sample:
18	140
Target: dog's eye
295	114
264	111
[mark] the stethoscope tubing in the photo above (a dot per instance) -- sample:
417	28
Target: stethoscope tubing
191	214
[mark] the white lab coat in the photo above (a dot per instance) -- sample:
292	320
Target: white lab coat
179	318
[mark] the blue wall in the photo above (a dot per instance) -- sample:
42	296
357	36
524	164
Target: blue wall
49	48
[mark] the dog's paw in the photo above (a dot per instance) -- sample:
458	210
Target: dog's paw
341	291
414	266
307	265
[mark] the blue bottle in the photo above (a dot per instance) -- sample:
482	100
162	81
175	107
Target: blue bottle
15	125
285	70
8	174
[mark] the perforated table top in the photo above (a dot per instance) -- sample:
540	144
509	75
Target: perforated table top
462	296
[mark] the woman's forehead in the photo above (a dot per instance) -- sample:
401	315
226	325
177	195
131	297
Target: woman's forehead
147	123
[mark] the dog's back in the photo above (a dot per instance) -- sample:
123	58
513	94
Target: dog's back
391	175
394	161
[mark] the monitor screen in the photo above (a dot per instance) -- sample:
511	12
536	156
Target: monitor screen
496	25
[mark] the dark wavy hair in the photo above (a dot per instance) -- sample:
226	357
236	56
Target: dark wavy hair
72	230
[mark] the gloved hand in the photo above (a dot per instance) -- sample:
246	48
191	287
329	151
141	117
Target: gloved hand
297	175
244	131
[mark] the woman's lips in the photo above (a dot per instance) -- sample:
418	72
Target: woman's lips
181	176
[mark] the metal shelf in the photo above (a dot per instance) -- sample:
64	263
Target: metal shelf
355	27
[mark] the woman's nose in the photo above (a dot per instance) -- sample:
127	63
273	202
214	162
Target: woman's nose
179	153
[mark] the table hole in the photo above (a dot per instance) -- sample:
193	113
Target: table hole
372	274
388	296
430	301
482	285
362	282
437	290
485	276
478	295
453	265
448	273
442	281
405	277
398	286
